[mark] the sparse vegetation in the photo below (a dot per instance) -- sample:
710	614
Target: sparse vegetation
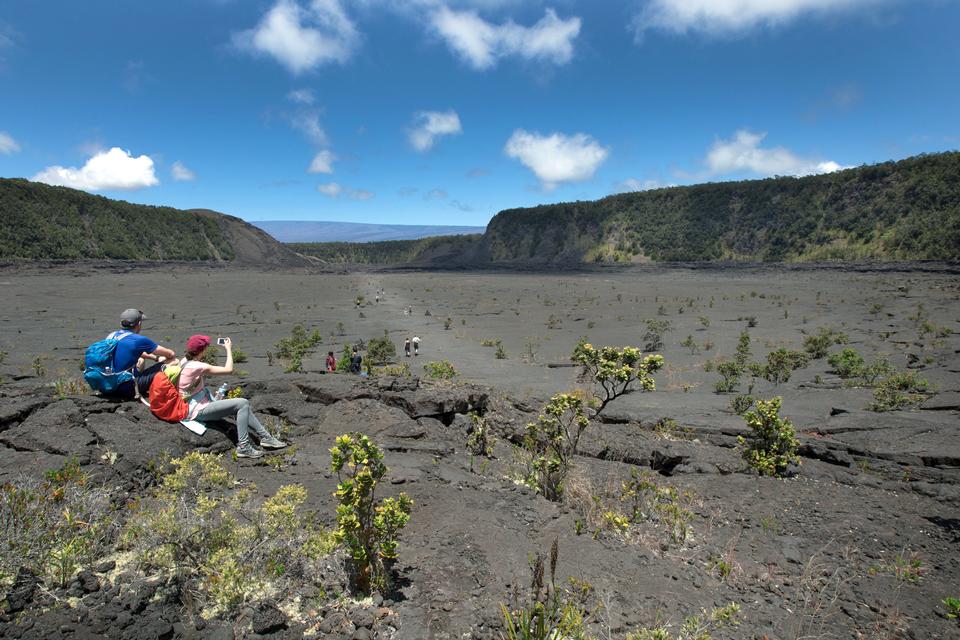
381	350
369	529
899	390
440	370
202	524
553	439
653	338
819	344
546	611
54	527
772	442
299	344
781	363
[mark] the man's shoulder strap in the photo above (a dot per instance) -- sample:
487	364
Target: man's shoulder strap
119	334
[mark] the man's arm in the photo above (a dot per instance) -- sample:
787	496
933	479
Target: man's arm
159	352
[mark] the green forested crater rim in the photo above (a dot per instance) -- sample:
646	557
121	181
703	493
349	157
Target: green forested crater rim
38	221
905	210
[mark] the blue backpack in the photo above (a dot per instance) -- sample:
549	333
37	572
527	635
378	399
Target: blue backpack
98	364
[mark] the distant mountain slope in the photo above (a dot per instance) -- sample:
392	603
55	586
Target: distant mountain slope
40	222
906	210
319	231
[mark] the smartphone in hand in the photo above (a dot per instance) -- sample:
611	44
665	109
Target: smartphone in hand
221	341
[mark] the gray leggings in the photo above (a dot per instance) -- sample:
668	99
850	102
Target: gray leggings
239	407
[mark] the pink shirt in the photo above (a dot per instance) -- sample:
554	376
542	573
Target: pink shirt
190	383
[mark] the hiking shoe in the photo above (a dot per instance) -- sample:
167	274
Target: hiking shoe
249	451
269	442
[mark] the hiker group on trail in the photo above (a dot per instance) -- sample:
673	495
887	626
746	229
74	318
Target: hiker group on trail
413	343
175	390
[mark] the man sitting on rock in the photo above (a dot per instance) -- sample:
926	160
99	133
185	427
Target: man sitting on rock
133	349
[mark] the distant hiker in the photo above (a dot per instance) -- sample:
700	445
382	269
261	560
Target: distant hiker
203	407
355	361
113	365
377	297
406	347
331	362
416	345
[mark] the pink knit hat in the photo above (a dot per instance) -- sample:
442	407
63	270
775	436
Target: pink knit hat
196	344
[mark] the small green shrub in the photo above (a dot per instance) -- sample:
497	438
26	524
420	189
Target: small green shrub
298	345
741	403
952	606
649	501
899	390
780	365
875	371
689	343
817	345
63	387
847	363
440	370
653	338
772	442
480	441
551	442
402	369
381	350
369	529
730	373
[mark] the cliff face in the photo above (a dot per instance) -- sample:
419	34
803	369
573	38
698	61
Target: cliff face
906	210
251	245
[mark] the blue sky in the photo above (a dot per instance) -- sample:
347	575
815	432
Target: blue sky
447	111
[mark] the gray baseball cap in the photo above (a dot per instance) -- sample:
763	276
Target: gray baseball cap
131	317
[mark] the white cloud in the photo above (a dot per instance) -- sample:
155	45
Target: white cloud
481	43
632	184
557	158
428	125
330	189
359	194
308	122
302	38
182	173
732	16
113	169
7	144
301	96
322	162
743	153
435	194
334	190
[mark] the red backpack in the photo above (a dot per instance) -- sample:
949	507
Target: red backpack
165	400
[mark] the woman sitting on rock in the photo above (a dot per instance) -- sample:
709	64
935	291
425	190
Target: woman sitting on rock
204	407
